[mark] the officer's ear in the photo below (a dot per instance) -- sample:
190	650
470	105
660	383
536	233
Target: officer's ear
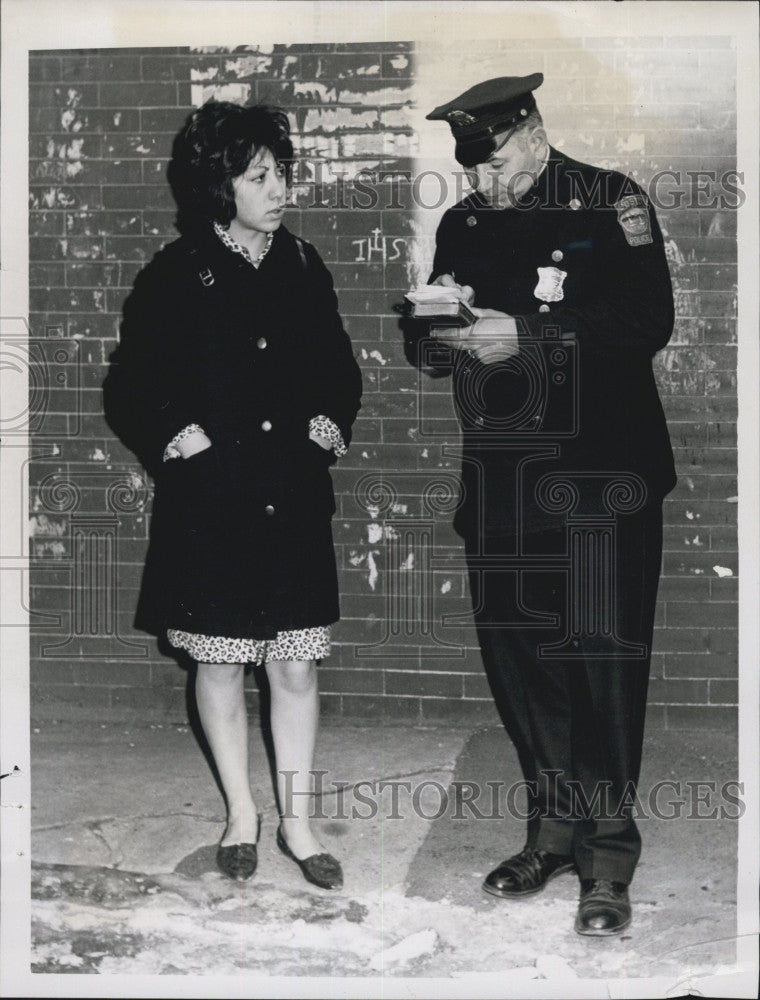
538	140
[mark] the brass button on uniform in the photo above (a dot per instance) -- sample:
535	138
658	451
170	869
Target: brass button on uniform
269	510
471	220
543	308
261	343
266	425
557	256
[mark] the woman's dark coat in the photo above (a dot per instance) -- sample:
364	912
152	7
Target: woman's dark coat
240	541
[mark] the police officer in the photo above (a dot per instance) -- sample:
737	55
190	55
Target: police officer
566	460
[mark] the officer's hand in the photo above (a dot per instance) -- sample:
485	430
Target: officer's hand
492	338
466	292
490	313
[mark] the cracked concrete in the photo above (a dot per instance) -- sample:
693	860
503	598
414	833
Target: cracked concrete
125	879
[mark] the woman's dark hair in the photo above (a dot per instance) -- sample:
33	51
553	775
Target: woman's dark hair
216	144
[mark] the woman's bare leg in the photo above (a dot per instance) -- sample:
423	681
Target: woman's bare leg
221	706
294	718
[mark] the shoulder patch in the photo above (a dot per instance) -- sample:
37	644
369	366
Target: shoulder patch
633	216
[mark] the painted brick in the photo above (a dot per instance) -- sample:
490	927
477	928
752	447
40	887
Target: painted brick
350	681
385	709
700	664
161	119
724	589
698	717
137	95
102	124
723	692
406	682
167	703
671	692
474	712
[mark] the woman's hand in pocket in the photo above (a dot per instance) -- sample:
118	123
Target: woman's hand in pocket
193	443
323	442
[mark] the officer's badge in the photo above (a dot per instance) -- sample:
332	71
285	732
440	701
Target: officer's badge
633	217
549	287
460	118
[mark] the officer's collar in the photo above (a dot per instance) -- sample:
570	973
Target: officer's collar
539	189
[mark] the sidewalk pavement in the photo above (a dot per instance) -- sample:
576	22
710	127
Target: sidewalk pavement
125	823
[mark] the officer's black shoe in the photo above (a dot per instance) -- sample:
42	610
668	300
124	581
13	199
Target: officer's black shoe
604	907
526	873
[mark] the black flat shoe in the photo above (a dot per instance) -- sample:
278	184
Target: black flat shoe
526	873
322	870
603	909
239	861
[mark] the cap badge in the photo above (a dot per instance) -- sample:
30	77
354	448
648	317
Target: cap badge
460	118
549	287
633	217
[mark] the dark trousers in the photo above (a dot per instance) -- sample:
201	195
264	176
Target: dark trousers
576	717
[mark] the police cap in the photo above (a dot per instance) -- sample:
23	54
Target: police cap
486	110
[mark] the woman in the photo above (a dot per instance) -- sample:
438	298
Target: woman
235	384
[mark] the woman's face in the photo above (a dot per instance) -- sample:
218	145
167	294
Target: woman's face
260	194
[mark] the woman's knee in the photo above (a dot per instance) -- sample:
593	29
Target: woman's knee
294	676
220	675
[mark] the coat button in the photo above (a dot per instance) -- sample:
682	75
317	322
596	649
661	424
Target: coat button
269	510
557	256
543	308
261	343
266	425
471	220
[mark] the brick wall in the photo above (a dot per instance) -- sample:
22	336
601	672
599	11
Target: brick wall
101	127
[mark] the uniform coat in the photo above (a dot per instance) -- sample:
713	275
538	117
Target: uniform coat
598	409
580	264
240	540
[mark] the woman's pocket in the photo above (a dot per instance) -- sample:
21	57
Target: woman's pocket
198	490
318	489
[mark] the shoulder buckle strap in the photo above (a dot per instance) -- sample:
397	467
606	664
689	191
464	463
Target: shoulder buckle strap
205	275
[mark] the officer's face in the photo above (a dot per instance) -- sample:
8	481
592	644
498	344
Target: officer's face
512	170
